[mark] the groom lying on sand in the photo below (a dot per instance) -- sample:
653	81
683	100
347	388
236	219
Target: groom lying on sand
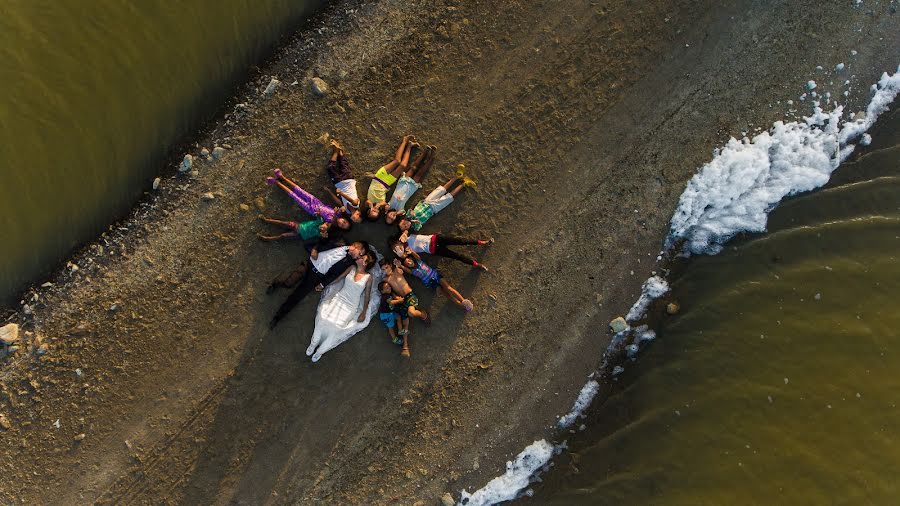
320	272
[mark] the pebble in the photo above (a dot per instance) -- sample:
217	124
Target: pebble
156	183
204	153
5	423
618	325
186	163
673	308
260	203
9	333
271	88
447	499
43	349
79	437
318	87
245	208
208	196
218	152
338	108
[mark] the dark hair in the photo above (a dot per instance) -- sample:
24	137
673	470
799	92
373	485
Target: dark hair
381	285
384	262
339	217
370	261
377	214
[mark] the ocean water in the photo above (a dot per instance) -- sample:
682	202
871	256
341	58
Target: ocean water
777	382
93	95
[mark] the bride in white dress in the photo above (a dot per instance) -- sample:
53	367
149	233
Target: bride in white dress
347	306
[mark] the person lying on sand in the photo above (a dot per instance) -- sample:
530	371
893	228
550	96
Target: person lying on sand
306	230
344	194
409	306
431	278
308	202
385	177
387	314
321	271
289	279
437	245
435	202
409	183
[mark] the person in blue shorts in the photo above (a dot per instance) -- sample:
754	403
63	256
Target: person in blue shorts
388	315
431	278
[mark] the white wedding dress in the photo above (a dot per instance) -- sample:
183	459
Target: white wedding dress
337	318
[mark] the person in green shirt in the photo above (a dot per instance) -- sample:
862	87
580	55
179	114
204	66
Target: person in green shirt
306	230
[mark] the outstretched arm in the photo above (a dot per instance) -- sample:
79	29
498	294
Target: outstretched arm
332	195
335	273
366	299
351	200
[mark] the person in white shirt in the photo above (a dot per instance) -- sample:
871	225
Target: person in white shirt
344	194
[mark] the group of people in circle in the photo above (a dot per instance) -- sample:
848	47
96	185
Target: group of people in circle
355	280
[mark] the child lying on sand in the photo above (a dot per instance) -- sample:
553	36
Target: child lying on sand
306	230
409	305
341	176
308	202
409	184
385	177
388	315
431	278
435	202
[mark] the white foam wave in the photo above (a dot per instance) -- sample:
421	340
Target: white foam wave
585	397
747	178
507	486
731	194
653	288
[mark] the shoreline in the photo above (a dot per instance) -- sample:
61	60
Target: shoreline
209	406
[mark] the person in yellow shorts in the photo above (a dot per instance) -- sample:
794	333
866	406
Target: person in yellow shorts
385	177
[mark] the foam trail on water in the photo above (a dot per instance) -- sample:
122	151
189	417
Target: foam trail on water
585	396
731	194
518	475
747	178
653	288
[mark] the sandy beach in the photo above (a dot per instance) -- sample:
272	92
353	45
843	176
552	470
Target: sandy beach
581	122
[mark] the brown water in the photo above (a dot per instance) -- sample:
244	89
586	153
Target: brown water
778	383
94	93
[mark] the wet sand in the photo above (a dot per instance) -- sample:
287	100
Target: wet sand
581	123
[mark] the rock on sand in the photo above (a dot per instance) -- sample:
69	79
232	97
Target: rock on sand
271	88
618	325
186	164
318	87
9	333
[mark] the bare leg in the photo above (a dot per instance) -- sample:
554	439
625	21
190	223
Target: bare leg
276	237
401	149
287	179
405	351
413	167
420	174
393	335
451	292
287	224
416	313
401	167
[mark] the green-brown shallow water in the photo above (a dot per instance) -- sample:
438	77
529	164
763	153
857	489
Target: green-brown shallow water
779	382
93	94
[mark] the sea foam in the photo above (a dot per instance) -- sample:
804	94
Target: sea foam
517	476
747	178
731	194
